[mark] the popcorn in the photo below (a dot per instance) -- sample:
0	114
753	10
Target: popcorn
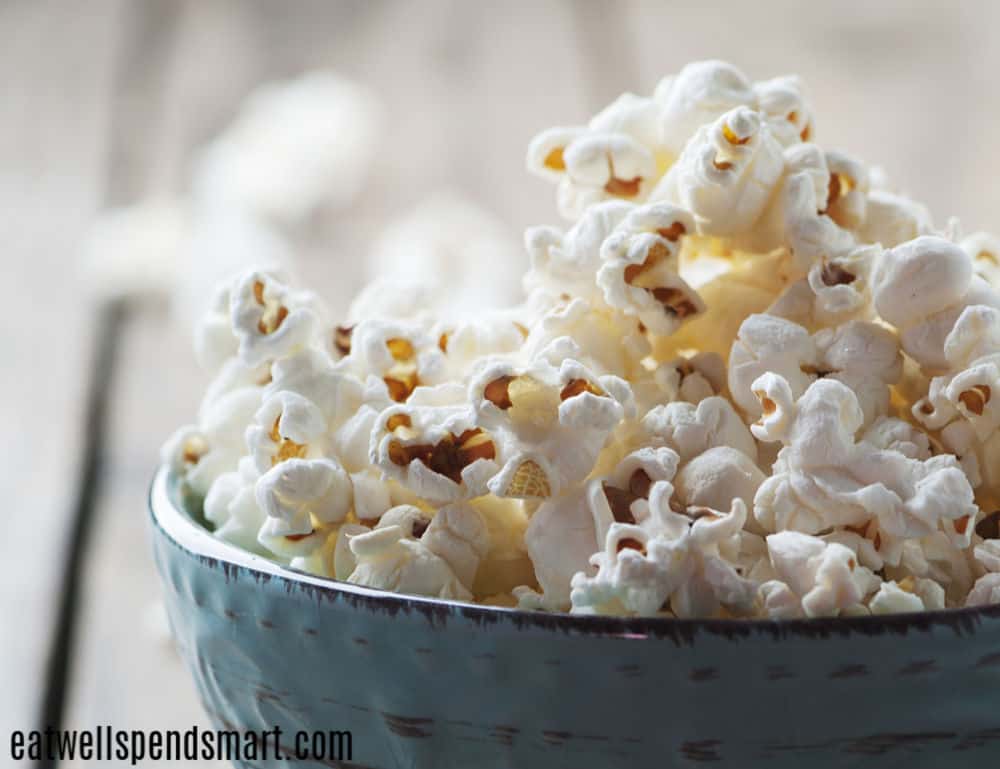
411	551
642	574
799	215
639	271
231	506
609	342
892	599
789	115
550	422
726	173
201	454
835	290
614	156
297	494
825	477
716	477
769	344
286	426
863	355
560	538
746	380
403	355
815	578
392	557
985	252
438	451
699	94
691	430
268	319
891	220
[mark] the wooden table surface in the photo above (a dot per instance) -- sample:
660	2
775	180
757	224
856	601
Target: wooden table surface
103	104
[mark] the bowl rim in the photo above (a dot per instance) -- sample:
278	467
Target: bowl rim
182	531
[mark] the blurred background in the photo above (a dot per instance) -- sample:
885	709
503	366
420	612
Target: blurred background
125	134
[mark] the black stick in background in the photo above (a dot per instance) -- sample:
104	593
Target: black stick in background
59	665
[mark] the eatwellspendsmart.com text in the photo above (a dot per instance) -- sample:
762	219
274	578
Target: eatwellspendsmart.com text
132	746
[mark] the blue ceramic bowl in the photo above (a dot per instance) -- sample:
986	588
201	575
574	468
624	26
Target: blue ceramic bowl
438	685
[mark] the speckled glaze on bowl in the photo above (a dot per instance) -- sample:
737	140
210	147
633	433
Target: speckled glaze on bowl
438	685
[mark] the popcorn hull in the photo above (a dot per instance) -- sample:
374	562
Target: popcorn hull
426	683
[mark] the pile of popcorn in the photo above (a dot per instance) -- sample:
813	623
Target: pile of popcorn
748	380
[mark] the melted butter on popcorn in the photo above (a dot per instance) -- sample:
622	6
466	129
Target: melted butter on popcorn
748	378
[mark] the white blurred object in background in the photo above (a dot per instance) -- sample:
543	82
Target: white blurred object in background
293	148
136	250
463	259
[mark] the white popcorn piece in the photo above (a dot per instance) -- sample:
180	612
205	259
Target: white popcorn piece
726	173
234	377
892	599
783	100
890	433
690	574
716	477
231	505
984	249
987	554
299	494
387	558
815	578
798	216
691	429
639	274
891	220
268	318
919	278
638	492
986	591
834	291
458	534
560	540
925	340
311	374
198	454
344	561
372	495
699	94
609	341
403	355
769	344
568	262
825	477
865	357
465	342
975	335
214	340
612	157
286	426
690	378
848	190
437	451
550	421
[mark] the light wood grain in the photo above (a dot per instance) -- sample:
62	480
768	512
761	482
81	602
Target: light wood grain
56	81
